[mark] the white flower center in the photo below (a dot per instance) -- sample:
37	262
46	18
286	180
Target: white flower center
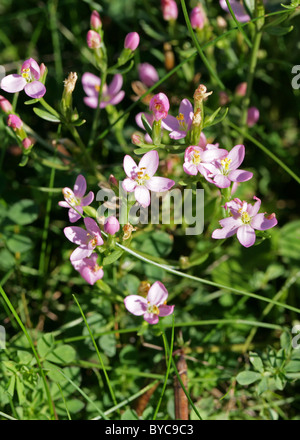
196	159
152	308
225	166
70	197
245	217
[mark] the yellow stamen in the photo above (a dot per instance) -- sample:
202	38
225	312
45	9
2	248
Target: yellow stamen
245	217
225	163
97	88
153	309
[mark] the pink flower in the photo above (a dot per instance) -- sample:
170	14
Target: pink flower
151	307
198	17
223	172
95	20
180	125
89	269
148	74
14	122
28	80
140	178
196	159
76	199
253	116
132	40
93	39
169	9
159	105
244	220
238	9
111	225
5	105
241	89
87	240
111	94
26	143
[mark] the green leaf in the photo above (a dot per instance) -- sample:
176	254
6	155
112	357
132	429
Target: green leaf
11	386
129	414
122	71
157	244
247	377
279	30
146	125
19	243
24	161
256	362
20	390
262	386
63	354
7	261
213	120
25	357
45	115
32	101
108	344
143	150
23	212
250	6
114	256
45	344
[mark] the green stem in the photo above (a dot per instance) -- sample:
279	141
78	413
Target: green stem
12	309
170	354
98	353
98	110
238	24
198	47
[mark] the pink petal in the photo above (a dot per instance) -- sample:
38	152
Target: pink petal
157	294
76	235
260	222
64	204
89	81
73	215
238	9
130	167
13	83
91	101
142	196
35	89
151	318
114	100
159	184
129	185
213	154
150	161
93	228
90	275
135	304
230	223
186	109
116	84
236	155
240	175
80	253
246	235
87	200
203	141
190	168
178	134
224	232
221	181
34	68
170	123
253	209
80	186
166	310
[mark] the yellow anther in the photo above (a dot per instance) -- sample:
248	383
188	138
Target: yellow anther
97	88
225	163
153	309
181	120
245	217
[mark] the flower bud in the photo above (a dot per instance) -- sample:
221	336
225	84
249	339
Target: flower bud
132	40
5	105
111	225
137	139
113	181
223	98
95	21
253	116
159	105
14	122
27	143
241	89
198	17
169	10
93	39
148	74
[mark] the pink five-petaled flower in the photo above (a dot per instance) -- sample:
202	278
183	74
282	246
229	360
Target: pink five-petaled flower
180	125
238	10
89	268
243	221
111	94
225	171
151	307
86	239
159	105
196	158
28	80
140	178
75	199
